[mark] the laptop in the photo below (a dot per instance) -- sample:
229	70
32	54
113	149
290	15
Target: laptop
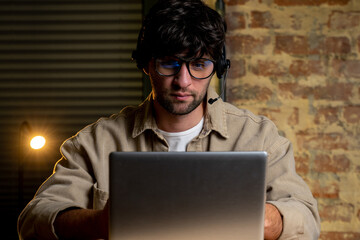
187	195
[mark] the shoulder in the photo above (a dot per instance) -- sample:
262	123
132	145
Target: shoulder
246	125
112	125
240	114
115	120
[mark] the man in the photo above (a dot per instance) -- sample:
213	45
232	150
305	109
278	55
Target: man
180	47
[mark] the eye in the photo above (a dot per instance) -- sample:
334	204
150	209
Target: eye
169	63
200	64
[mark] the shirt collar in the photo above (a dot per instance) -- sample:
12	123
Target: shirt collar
145	117
215	117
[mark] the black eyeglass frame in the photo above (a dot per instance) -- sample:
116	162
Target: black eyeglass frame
187	62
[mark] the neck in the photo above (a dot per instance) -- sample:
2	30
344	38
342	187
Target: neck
177	123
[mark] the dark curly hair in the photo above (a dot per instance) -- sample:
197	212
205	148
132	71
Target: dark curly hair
180	26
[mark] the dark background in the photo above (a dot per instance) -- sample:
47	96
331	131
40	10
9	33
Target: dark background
63	64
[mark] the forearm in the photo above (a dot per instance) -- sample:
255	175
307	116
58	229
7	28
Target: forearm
81	224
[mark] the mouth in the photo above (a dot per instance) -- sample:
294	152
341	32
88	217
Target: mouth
181	96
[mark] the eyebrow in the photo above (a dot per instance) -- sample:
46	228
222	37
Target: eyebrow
188	59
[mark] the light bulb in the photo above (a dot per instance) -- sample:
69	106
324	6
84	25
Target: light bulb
37	142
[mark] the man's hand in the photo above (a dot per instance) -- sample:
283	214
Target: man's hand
82	223
104	221
273	222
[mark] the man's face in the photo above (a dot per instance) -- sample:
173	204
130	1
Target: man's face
179	94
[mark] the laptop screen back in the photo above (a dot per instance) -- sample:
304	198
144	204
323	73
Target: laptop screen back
187	195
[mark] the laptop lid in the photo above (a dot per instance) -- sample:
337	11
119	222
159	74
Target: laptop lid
187	195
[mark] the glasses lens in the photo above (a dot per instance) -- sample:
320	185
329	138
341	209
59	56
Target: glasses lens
167	66
201	68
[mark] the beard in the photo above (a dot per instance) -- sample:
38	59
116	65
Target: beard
177	107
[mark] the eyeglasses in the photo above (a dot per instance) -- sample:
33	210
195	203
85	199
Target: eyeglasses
199	68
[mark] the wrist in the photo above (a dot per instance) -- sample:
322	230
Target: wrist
81	224
273	222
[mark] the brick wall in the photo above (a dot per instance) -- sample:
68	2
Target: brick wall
298	62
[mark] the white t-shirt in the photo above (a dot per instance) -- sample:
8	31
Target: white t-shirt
179	140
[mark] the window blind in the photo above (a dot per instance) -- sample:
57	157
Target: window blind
63	64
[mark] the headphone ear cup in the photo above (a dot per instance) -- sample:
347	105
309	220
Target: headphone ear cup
222	64
220	67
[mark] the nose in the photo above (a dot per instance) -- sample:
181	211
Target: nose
183	78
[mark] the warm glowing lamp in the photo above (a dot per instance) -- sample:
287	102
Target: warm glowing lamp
37	142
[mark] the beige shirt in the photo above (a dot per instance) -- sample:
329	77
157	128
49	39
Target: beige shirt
80	178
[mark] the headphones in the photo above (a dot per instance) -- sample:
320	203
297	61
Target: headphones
221	68
222	65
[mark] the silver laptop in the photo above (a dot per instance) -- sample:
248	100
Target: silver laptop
187	195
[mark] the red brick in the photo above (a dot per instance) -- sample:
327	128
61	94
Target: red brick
310	2
352	114
325	141
291	44
238	68
336	212
269	68
235	2
261	19
339	235
293	90
337	45
332	141
302	163
346	68
327	115
338	2
235	21
339	20
247	44
328	190
297	45
249	92
334	164
332	91
300	68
